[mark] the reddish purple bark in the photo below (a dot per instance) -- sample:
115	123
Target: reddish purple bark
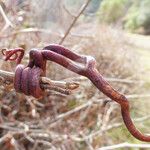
27	78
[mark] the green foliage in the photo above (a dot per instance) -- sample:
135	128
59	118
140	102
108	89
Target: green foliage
138	15
134	13
112	10
144	14
130	21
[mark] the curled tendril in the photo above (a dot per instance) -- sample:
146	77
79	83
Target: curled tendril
4	51
13	54
27	78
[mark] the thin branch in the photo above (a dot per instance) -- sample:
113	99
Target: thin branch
32	30
62	116
68	12
36	133
125	145
106	119
124	81
68	113
74	21
7	21
110	127
46	83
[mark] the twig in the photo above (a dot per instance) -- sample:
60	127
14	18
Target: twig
74	21
72	15
124	81
125	145
110	127
31	30
7	75
5	137
106	119
14	143
68	113
130	97
90	103
59	86
7	21
37	133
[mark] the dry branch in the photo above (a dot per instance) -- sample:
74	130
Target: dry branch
124	146
75	20
94	100
109	127
31	30
46	83
7	21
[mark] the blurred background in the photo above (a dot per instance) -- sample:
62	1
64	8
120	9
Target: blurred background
116	33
